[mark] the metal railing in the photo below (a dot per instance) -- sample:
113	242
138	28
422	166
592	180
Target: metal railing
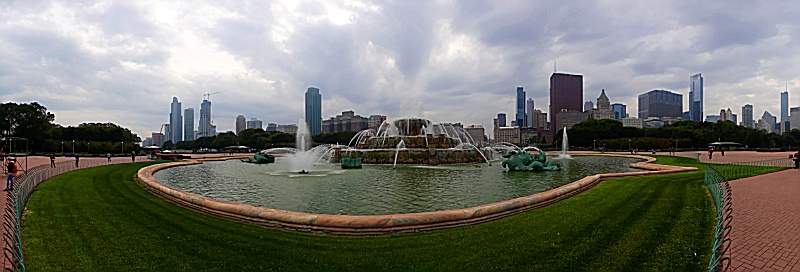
721	196
16	200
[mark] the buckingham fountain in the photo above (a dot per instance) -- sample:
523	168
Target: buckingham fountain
411	141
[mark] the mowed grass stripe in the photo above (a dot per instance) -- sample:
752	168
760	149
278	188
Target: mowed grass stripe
100	219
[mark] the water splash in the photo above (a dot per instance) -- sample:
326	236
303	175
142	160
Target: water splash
400	145
564	146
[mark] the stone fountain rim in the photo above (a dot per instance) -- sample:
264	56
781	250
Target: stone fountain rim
387	223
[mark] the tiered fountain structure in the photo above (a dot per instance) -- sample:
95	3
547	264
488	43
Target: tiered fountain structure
412	141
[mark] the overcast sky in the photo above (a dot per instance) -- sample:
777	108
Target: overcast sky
123	62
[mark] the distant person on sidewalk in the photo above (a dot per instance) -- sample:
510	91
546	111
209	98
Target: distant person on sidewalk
797	159
11	168
77	160
710	152
133	156
722	150
52	160
108	155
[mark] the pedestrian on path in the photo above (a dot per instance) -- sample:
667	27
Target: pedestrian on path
11	168
77	160
52	160
108	155
710	152
133	156
797	159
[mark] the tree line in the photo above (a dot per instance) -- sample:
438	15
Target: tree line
684	134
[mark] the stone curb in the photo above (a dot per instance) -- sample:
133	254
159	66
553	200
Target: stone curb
383	224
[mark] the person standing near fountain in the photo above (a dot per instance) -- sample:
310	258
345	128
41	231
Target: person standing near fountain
710	152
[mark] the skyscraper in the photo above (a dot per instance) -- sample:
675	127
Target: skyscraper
204	127
175	121
241	122
620	110
660	103
188	124
588	105
785	106
255	123
501	119
520	117
696	97
747	116
314	110
566	93
529	112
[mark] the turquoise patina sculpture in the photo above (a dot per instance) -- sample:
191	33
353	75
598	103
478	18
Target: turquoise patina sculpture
260	158
351	163
524	161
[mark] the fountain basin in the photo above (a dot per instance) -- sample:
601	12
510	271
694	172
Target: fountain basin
380	224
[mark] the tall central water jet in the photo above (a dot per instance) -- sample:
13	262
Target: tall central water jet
564	146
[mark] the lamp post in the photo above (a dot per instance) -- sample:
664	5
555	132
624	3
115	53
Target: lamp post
73	147
123	148
629	144
594	144
62	148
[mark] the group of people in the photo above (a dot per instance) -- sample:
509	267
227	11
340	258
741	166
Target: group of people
711	151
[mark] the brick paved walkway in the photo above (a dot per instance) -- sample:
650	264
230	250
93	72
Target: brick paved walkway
765	231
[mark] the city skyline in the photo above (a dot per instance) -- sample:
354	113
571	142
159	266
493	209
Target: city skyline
116	62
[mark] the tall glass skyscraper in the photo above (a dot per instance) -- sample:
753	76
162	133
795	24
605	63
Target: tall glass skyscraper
529	112
566	93
314	111
188	124
660	103
747	116
696	98
175	121
620	110
520	117
784	106
204	129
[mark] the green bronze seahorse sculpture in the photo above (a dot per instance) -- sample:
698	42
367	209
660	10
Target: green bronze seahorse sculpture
524	161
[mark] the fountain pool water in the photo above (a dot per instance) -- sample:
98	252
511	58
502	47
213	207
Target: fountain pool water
303	160
376	189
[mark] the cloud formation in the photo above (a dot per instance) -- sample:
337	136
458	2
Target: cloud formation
100	61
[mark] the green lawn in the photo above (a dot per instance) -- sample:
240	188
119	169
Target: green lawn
100	219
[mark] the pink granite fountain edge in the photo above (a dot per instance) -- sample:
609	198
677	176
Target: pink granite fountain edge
388	223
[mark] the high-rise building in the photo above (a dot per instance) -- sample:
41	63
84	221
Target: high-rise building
771	123
726	115
254	123
529	112
188	124
241	124
272	127
660	103
620	110
520	117
794	118
501	119
696	97
566	93
375	121
540	120
603	102
747	116
712	118
167	134
603	110
204	127
290	128
347	121
588	105
314	110
175	121
785	106
476	133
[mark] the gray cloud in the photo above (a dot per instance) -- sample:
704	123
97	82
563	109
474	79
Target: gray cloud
462	60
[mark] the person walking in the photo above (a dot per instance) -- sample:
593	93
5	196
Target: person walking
710	152
52	160
77	160
108	155
797	159
11	169
133	156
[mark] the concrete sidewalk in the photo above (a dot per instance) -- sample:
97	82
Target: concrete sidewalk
765	232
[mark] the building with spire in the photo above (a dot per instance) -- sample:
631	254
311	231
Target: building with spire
603	110
785	109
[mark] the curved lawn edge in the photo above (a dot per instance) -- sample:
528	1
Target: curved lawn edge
389	223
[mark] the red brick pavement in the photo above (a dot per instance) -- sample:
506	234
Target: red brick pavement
765	232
